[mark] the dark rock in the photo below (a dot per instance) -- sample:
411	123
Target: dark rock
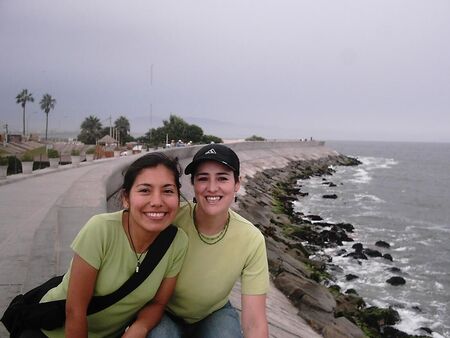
394	269
382	244
350	277
426	329
388	257
323	224
376	318
358	247
417	308
346	226
372	253
330	236
396	280
341	252
351	292
314	217
329	196
392	332
356	255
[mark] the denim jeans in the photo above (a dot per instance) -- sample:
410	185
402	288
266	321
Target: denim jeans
223	323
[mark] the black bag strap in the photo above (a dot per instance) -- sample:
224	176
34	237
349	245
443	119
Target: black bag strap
155	253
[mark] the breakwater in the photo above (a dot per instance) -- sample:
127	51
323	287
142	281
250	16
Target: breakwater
295	244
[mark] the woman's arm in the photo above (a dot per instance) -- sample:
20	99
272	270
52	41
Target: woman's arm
79	294
152	313
254	320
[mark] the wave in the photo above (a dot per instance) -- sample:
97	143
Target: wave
378	162
368	198
361	176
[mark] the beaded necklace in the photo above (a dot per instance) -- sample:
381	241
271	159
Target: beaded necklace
211	240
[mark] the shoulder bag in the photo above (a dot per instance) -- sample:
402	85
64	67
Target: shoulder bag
25	311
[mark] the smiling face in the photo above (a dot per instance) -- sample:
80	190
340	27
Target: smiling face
153	199
214	187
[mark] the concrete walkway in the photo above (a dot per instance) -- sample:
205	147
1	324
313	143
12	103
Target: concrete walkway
40	214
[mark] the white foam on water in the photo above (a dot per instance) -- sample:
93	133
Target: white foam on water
411	322
438	286
389	163
378	162
361	176
368	198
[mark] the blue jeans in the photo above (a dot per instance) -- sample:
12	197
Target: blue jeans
223	323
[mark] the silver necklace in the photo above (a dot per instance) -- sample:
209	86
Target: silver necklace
138	257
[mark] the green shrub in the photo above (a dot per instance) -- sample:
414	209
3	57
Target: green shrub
27	157
52	153
90	151
255	138
4	161
75	152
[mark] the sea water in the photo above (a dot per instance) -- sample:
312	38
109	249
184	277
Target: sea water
399	194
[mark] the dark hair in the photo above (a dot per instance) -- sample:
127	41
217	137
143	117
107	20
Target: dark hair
150	161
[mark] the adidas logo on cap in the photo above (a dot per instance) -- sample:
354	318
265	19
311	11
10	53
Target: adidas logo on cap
210	151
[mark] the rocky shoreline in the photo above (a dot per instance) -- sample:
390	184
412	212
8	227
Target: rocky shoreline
294	245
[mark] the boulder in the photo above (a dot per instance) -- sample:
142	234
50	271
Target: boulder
358	247
314	217
382	244
306	294
350	277
396	280
356	255
329	196
341	327
388	257
372	253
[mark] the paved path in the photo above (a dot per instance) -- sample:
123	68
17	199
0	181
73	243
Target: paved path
40	214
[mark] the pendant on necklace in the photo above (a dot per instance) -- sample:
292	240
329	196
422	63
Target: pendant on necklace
137	266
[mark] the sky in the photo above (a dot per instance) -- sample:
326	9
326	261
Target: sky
331	70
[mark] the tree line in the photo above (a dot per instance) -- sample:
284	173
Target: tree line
175	128
91	129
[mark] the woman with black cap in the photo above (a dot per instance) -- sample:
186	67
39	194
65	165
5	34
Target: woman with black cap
223	248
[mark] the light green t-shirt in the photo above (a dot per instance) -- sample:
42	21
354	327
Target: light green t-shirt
209	272
102	243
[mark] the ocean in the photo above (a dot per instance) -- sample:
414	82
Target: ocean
399	194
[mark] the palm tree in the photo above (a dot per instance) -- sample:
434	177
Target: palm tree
123	125
91	130
47	103
23	97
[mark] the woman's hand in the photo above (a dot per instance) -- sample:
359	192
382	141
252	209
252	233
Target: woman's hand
151	314
136	330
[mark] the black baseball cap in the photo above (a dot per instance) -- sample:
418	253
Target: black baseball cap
214	152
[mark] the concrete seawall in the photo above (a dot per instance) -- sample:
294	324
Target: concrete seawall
35	245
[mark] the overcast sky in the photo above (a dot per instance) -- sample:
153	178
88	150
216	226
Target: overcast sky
346	69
